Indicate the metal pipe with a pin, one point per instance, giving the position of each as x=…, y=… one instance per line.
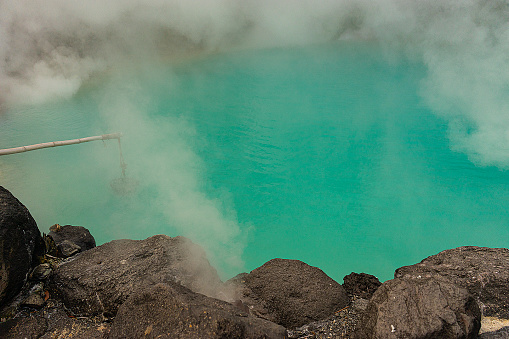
x=22, y=149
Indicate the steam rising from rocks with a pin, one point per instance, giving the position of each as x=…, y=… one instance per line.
x=49, y=49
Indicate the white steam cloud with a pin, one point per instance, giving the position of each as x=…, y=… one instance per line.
x=50, y=48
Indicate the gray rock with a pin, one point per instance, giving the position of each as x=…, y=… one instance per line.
x=71, y=239
x=21, y=245
x=68, y=249
x=101, y=279
x=289, y=292
x=41, y=272
x=420, y=308
x=483, y=271
x=173, y=311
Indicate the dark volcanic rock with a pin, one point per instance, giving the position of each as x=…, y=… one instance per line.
x=67, y=249
x=483, y=271
x=71, y=239
x=290, y=292
x=41, y=272
x=52, y=322
x=173, y=311
x=361, y=284
x=31, y=327
x=21, y=245
x=341, y=325
x=420, y=308
x=101, y=279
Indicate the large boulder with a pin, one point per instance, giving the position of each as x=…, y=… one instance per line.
x=420, y=308
x=173, y=311
x=483, y=271
x=21, y=245
x=71, y=239
x=101, y=279
x=289, y=292
x=361, y=285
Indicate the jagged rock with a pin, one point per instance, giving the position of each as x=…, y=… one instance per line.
x=101, y=279
x=71, y=239
x=173, y=311
x=361, y=284
x=21, y=245
x=483, y=271
x=420, y=308
x=289, y=292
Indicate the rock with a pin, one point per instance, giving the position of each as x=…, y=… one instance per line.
x=483, y=271
x=289, y=292
x=502, y=333
x=173, y=311
x=21, y=245
x=68, y=249
x=60, y=325
x=30, y=327
x=52, y=322
x=360, y=305
x=420, y=308
x=494, y=328
x=101, y=279
x=41, y=272
x=341, y=325
x=34, y=300
x=361, y=284
x=71, y=239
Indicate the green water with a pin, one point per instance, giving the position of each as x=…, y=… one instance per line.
x=327, y=154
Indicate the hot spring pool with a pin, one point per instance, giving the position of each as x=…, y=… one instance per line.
x=326, y=154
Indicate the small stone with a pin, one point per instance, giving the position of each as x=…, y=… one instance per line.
x=41, y=272
x=34, y=300
x=360, y=304
x=68, y=248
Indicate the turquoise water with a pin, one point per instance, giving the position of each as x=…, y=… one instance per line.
x=327, y=154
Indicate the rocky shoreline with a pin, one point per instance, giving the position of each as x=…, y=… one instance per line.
x=62, y=285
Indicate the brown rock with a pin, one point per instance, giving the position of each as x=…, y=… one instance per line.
x=420, y=308
x=101, y=279
x=289, y=292
x=173, y=311
x=483, y=271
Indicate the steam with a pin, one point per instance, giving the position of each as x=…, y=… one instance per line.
x=49, y=49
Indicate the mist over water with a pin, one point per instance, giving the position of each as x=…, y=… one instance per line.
x=390, y=128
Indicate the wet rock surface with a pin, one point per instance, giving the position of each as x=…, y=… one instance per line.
x=99, y=280
x=173, y=311
x=483, y=271
x=290, y=292
x=21, y=245
x=420, y=308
